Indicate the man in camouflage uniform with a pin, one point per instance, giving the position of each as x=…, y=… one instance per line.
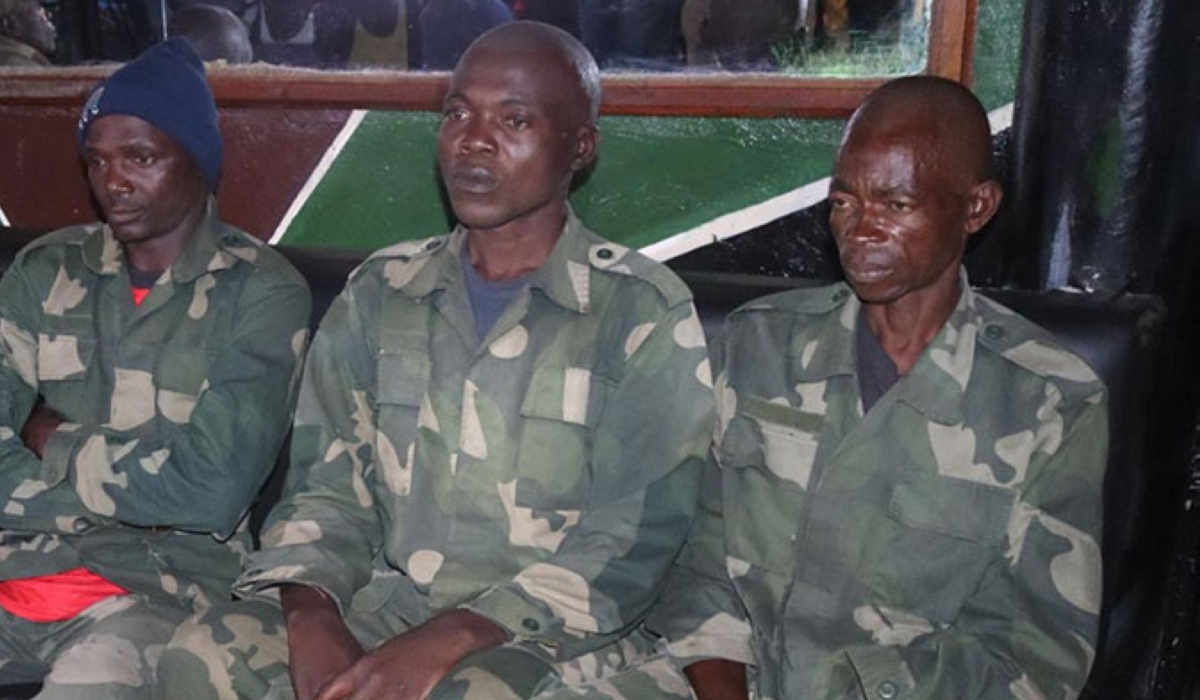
x=903, y=498
x=498, y=438
x=147, y=369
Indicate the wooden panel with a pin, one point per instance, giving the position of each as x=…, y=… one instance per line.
x=270, y=154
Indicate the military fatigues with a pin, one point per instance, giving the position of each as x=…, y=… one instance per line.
x=945, y=545
x=544, y=478
x=19, y=54
x=175, y=410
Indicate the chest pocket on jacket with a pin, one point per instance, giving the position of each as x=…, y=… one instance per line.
x=938, y=535
x=767, y=456
x=559, y=413
x=65, y=348
x=402, y=381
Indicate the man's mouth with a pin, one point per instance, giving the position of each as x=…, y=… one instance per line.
x=867, y=274
x=867, y=266
x=473, y=180
x=122, y=215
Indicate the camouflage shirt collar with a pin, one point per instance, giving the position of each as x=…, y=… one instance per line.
x=215, y=246
x=936, y=384
x=563, y=277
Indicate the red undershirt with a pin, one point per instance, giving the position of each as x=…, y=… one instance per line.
x=60, y=596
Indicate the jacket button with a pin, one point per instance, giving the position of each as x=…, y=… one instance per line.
x=604, y=254
x=994, y=332
x=887, y=690
x=531, y=624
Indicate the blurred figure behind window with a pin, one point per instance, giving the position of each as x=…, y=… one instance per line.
x=215, y=32
x=449, y=26
x=27, y=35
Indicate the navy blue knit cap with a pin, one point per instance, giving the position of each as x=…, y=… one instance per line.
x=166, y=87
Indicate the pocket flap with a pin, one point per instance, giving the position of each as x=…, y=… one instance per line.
x=953, y=507
x=403, y=378
x=568, y=394
x=63, y=356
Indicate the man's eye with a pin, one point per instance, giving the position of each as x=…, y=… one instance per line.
x=453, y=114
x=839, y=203
x=143, y=159
x=517, y=121
x=900, y=207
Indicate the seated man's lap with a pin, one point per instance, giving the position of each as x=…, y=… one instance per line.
x=109, y=650
x=239, y=650
x=632, y=668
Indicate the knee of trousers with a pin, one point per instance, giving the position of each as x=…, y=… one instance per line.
x=224, y=648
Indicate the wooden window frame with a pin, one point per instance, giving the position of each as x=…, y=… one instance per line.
x=951, y=38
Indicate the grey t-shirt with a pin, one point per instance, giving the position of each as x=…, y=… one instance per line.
x=488, y=299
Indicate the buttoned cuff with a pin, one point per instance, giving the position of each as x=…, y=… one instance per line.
x=523, y=618
x=882, y=673
x=261, y=580
x=59, y=452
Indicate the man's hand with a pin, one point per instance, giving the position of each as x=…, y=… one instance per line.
x=319, y=644
x=718, y=679
x=40, y=425
x=408, y=666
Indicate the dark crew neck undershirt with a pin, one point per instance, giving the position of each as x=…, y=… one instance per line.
x=488, y=299
x=876, y=371
x=141, y=281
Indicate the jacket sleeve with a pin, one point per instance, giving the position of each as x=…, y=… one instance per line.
x=30, y=501
x=202, y=474
x=1029, y=629
x=647, y=449
x=700, y=614
x=325, y=528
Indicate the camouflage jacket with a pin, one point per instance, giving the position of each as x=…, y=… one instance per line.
x=18, y=53
x=175, y=408
x=944, y=545
x=544, y=478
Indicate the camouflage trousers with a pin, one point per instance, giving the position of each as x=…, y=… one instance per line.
x=107, y=652
x=239, y=650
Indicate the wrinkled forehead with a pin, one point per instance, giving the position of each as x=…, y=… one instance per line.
x=536, y=65
x=539, y=76
x=915, y=147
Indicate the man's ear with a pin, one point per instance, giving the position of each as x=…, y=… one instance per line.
x=982, y=203
x=587, y=144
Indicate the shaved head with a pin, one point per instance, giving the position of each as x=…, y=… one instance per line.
x=550, y=44
x=943, y=114
x=912, y=180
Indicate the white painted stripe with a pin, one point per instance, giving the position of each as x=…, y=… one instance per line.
x=739, y=222
x=3, y=218
x=1001, y=118
x=318, y=173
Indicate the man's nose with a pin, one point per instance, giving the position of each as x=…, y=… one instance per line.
x=478, y=137
x=866, y=226
x=116, y=181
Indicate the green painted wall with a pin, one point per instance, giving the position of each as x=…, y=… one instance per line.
x=656, y=176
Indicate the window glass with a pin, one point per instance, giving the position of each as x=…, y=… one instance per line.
x=819, y=38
